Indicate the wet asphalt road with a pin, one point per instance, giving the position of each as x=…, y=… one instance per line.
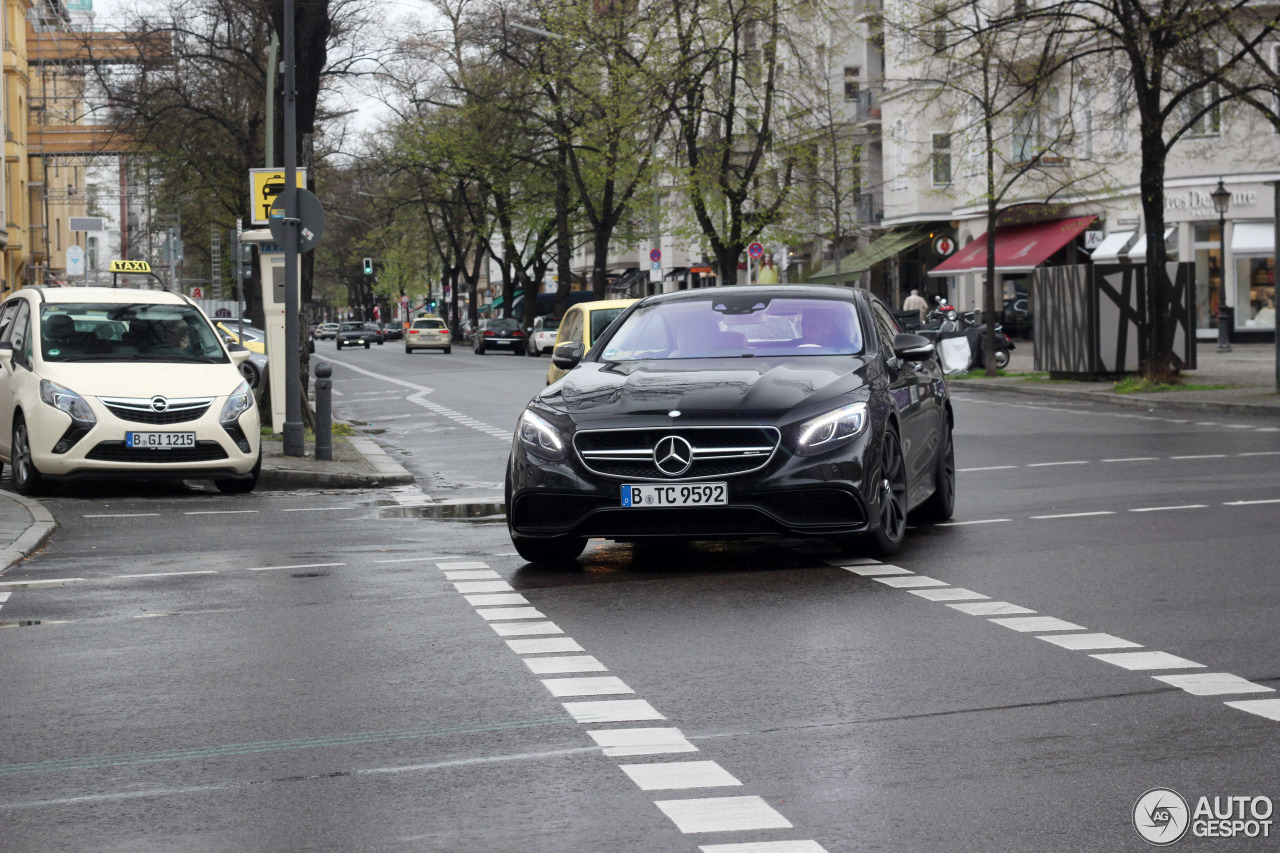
x=295, y=671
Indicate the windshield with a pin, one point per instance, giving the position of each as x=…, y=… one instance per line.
x=716, y=327
x=601, y=319
x=134, y=332
x=352, y=327
x=550, y=325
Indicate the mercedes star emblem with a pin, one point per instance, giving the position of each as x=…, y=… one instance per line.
x=673, y=455
x=159, y=404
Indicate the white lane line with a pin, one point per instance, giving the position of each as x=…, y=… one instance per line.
x=559, y=665
x=543, y=645
x=1148, y=660
x=464, y=564
x=679, y=775
x=496, y=598
x=483, y=586
x=1269, y=708
x=1261, y=453
x=990, y=608
x=473, y=575
x=299, y=566
x=1252, y=503
x=1073, y=515
x=167, y=574
x=408, y=560
x=602, y=685
x=494, y=614
x=612, y=711
x=507, y=554
x=965, y=523
x=620, y=742
x=911, y=582
x=38, y=582
x=877, y=571
x=1085, y=642
x=124, y=515
x=988, y=468
x=1165, y=508
x=951, y=593
x=1052, y=464
x=1202, y=456
x=1212, y=683
x=722, y=814
x=516, y=629
x=1135, y=459
x=318, y=509
x=221, y=512
x=846, y=562
x=1026, y=624
x=4, y=596
x=765, y=847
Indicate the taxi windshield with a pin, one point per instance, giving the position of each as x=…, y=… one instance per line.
x=127, y=332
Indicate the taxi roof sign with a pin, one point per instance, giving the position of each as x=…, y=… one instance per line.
x=130, y=266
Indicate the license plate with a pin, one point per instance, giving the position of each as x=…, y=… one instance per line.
x=160, y=440
x=685, y=494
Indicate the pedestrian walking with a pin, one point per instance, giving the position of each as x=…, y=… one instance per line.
x=916, y=302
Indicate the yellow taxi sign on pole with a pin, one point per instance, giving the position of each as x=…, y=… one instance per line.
x=264, y=186
x=130, y=266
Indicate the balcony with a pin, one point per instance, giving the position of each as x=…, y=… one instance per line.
x=867, y=108
x=870, y=210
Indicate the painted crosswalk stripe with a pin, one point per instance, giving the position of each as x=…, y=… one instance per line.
x=679, y=775
x=990, y=608
x=911, y=582
x=722, y=814
x=1212, y=683
x=516, y=629
x=560, y=664
x=603, y=685
x=765, y=847
x=613, y=711
x=472, y=575
x=1085, y=642
x=1148, y=660
x=541, y=645
x=951, y=593
x=483, y=586
x=620, y=742
x=463, y=564
x=497, y=613
x=1037, y=623
x=1269, y=708
x=496, y=598
x=876, y=571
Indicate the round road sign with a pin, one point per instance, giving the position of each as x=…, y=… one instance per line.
x=943, y=246
x=655, y=255
x=755, y=250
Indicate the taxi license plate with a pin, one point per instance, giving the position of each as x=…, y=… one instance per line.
x=685, y=494
x=160, y=440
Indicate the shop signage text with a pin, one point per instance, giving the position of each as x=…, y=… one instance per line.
x=1202, y=202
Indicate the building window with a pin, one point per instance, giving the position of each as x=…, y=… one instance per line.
x=851, y=74
x=855, y=172
x=941, y=159
x=1203, y=113
x=1026, y=134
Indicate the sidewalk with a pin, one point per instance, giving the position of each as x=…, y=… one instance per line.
x=358, y=463
x=1249, y=370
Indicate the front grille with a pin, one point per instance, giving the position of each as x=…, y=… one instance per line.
x=700, y=522
x=539, y=511
x=140, y=410
x=118, y=451
x=717, y=451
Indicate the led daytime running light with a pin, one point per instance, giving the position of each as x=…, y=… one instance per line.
x=539, y=436
x=827, y=430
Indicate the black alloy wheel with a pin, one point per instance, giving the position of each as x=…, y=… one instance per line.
x=891, y=527
x=26, y=477
x=942, y=503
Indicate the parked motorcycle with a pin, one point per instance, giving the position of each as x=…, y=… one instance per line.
x=960, y=338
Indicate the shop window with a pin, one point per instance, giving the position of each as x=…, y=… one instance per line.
x=1255, y=293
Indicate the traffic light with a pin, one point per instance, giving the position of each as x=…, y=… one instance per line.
x=368, y=266
x=433, y=305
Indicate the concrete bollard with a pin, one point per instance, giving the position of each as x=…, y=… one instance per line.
x=324, y=411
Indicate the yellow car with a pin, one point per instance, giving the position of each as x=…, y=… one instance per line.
x=585, y=322
x=255, y=340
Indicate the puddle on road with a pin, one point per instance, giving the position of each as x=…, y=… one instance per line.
x=491, y=513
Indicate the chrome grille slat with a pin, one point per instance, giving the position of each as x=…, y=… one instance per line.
x=726, y=451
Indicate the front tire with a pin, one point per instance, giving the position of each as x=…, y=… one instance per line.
x=448, y=350
x=557, y=551
x=26, y=477
x=891, y=526
x=241, y=487
x=1002, y=358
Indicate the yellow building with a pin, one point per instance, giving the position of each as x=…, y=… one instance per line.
x=18, y=236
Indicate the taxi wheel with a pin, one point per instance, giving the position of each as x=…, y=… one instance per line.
x=408, y=350
x=26, y=477
x=241, y=487
x=366, y=344
x=448, y=350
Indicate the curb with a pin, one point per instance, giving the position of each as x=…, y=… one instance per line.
x=1125, y=400
x=386, y=472
x=33, y=538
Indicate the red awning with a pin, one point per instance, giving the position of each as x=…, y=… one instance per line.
x=1019, y=248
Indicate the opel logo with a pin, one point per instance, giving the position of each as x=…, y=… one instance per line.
x=673, y=455
x=159, y=404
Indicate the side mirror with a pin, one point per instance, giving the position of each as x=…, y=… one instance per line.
x=6, y=355
x=568, y=355
x=909, y=347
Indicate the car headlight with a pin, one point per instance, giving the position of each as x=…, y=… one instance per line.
x=539, y=437
x=826, y=431
x=66, y=400
x=240, y=401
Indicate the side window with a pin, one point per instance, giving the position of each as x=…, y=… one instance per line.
x=571, y=328
x=20, y=335
x=886, y=326
x=7, y=312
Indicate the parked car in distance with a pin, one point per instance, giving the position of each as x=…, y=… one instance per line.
x=353, y=335
x=327, y=331
x=376, y=333
x=542, y=337
x=253, y=339
x=428, y=333
x=120, y=383
x=583, y=323
x=499, y=333
x=253, y=368
x=392, y=331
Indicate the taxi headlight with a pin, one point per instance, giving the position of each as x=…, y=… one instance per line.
x=539, y=437
x=240, y=401
x=827, y=431
x=66, y=400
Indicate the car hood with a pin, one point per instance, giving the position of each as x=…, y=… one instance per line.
x=144, y=379
x=706, y=387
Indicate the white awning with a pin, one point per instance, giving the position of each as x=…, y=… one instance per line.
x=1139, y=251
x=1253, y=238
x=1114, y=246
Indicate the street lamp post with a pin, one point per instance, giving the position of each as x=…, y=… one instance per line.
x=1221, y=201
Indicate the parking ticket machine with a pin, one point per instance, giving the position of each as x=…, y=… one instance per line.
x=271, y=267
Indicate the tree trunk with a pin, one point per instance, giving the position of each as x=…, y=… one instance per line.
x=1158, y=363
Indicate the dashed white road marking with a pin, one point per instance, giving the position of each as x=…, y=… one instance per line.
x=1072, y=515
x=603, y=685
x=483, y=586
x=1148, y=660
x=165, y=574
x=1201, y=456
x=613, y=711
x=1052, y=464
x=966, y=523
x=472, y=575
x=950, y=593
x=877, y=571
x=909, y=582
x=318, y=509
x=221, y=512
x=1165, y=508
x=1212, y=683
x=562, y=664
x=1261, y=453
x=987, y=468
x=765, y=847
x=33, y=583
x=1085, y=642
x=1027, y=624
x=492, y=599
x=1135, y=459
x=622, y=742
x=722, y=814
x=496, y=613
x=298, y=566
x=678, y=775
x=990, y=608
x=1251, y=503
x=123, y=515
x=1269, y=708
x=543, y=645
x=515, y=629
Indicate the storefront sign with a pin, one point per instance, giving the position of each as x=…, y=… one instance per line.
x=1200, y=201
